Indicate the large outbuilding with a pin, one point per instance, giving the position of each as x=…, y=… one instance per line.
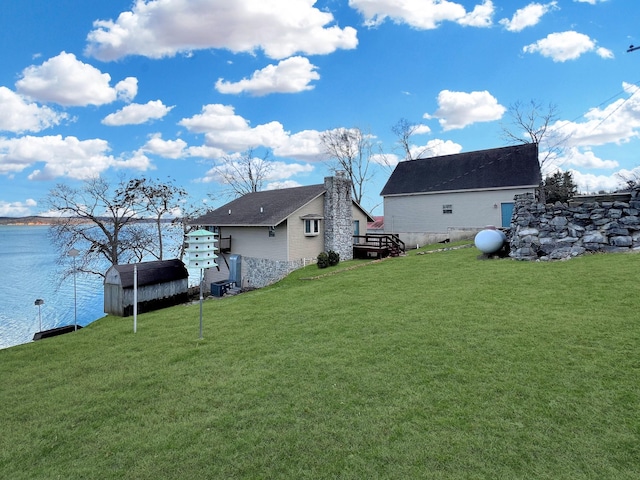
x=439, y=198
x=160, y=284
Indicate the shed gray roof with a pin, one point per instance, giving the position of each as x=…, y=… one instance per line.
x=149, y=273
x=268, y=208
x=515, y=166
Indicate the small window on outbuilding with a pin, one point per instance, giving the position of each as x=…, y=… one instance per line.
x=311, y=227
x=447, y=208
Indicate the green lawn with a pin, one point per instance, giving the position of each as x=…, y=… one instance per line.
x=426, y=366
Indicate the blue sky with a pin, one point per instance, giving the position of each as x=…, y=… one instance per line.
x=168, y=88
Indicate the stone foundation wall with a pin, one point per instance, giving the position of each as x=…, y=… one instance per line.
x=560, y=231
x=260, y=272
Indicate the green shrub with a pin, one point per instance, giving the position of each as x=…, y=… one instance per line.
x=323, y=260
x=334, y=258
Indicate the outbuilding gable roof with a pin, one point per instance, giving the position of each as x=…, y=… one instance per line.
x=149, y=273
x=514, y=166
x=268, y=208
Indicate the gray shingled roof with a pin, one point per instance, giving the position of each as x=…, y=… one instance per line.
x=267, y=208
x=515, y=166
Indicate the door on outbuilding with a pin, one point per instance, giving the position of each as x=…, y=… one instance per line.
x=507, y=212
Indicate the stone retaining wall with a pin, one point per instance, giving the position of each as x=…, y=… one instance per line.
x=260, y=272
x=560, y=231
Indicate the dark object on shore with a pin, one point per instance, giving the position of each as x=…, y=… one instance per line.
x=54, y=332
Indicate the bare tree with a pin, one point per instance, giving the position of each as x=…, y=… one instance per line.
x=533, y=123
x=189, y=212
x=245, y=173
x=156, y=198
x=404, y=130
x=94, y=220
x=629, y=180
x=350, y=150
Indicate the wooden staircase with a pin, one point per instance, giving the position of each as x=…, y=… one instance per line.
x=378, y=245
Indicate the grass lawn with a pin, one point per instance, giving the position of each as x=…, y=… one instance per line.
x=436, y=366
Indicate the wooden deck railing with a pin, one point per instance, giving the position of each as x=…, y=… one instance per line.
x=382, y=244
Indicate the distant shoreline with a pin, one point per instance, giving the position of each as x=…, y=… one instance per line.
x=35, y=221
x=27, y=221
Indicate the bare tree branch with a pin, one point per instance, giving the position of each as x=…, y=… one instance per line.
x=245, y=173
x=158, y=199
x=103, y=222
x=350, y=150
x=533, y=123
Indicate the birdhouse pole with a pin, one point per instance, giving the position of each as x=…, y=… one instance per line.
x=201, y=251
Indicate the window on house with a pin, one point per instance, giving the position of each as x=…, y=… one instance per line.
x=447, y=208
x=272, y=231
x=311, y=227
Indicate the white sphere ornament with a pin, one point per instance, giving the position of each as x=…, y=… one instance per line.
x=489, y=240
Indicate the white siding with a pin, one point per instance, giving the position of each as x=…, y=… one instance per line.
x=301, y=245
x=256, y=242
x=424, y=213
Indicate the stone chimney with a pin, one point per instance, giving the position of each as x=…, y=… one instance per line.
x=338, y=216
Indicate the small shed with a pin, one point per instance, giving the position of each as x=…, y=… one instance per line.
x=161, y=284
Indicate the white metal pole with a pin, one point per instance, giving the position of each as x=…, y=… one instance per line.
x=135, y=298
x=75, y=298
x=201, y=280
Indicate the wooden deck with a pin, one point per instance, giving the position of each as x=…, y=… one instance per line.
x=378, y=245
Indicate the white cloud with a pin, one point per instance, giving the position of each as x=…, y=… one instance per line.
x=421, y=129
x=480, y=16
x=292, y=75
x=618, y=122
x=527, y=16
x=304, y=145
x=18, y=115
x=215, y=117
x=423, y=14
x=68, y=157
x=67, y=81
x=280, y=185
x=460, y=109
x=138, y=161
x=127, y=89
x=17, y=209
x=277, y=171
x=162, y=28
x=590, y=183
x=435, y=148
x=385, y=159
x=604, y=53
x=165, y=148
x=282, y=171
x=225, y=130
x=564, y=46
x=586, y=159
x=203, y=151
x=136, y=114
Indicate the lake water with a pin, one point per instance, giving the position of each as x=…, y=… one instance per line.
x=28, y=271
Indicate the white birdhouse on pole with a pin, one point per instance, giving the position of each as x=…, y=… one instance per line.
x=201, y=250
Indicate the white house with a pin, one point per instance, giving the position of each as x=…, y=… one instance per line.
x=433, y=199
